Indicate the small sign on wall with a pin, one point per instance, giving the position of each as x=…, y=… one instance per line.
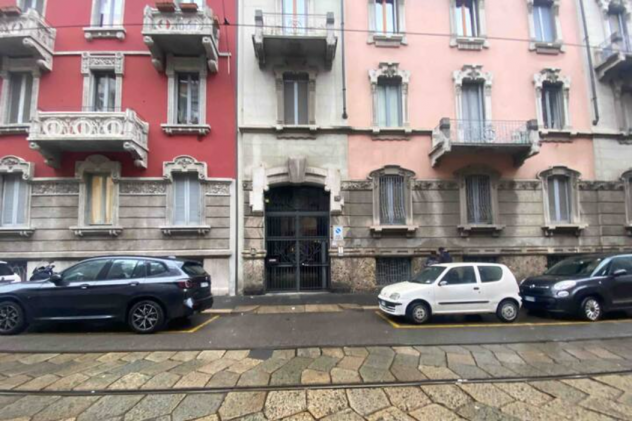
x=339, y=236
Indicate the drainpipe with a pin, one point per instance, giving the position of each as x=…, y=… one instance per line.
x=344, y=67
x=593, y=84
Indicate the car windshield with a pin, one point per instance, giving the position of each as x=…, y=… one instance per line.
x=575, y=267
x=428, y=275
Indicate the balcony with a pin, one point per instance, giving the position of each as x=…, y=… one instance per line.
x=191, y=33
x=53, y=133
x=614, y=58
x=294, y=36
x=519, y=139
x=26, y=35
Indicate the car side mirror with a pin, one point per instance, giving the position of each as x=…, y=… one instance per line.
x=443, y=283
x=55, y=278
x=620, y=272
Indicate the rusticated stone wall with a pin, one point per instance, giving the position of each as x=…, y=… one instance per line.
x=524, y=266
x=354, y=274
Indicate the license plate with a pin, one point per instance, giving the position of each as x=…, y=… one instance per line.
x=204, y=284
x=530, y=299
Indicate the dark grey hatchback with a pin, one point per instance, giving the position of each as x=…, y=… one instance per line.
x=587, y=286
x=144, y=292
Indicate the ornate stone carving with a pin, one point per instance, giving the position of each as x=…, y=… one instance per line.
x=102, y=61
x=45, y=188
x=143, y=187
x=37, y=37
x=357, y=185
x=12, y=164
x=218, y=189
x=520, y=185
x=98, y=164
x=435, y=185
x=601, y=185
x=184, y=164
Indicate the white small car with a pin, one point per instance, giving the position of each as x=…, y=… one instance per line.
x=454, y=288
x=7, y=274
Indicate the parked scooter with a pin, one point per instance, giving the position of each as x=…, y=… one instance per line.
x=43, y=272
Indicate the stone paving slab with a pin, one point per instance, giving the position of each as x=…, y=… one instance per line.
x=591, y=399
x=309, y=366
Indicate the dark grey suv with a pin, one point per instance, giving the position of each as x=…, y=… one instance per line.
x=588, y=286
x=143, y=292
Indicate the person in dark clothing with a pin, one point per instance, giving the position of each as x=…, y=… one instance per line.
x=444, y=256
x=433, y=259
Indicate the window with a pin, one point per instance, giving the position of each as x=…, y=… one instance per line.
x=392, y=200
x=467, y=18
x=295, y=16
x=478, y=191
x=100, y=199
x=490, y=273
x=37, y=5
x=200, y=3
x=187, y=207
x=553, y=107
x=194, y=269
x=386, y=16
x=14, y=199
x=460, y=276
x=544, y=21
x=20, y=92
x=621, y=263
x=126, y=269
x=156, y=270
x=85, y=272
x=618, y=24
x=104, y=92
x=473, y=113
x=391, y=270
x=188, y=98
x=109, y=12
x=389, y=102
x=559, y=199
x=295, y=90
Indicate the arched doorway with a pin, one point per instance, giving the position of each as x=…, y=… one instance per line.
x=297, y=239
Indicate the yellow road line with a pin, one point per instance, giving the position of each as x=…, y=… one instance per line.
x=196, y=328
x=474, y=325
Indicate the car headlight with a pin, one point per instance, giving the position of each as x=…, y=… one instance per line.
x=564, y=285
x=394, y=296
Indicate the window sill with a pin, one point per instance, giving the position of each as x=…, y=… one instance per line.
x=391, y=133
x=97, y=32
x=388, y=41
x=11, y=129
x=186, y=129
x=470, y=43
x=24, y=232
x=575, y=229
x=200, y=230
x=550, y=48
x=408, y=230
x=97, y=231
x=494, y=230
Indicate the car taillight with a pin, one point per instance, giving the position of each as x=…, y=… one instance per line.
x=185, y=284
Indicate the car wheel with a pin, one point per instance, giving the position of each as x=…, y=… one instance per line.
x=12, y=320
x=146, y=317
x=418, y=313
x=591, y=309
x=508, y=311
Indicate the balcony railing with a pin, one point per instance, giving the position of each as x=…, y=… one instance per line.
x=281, y=33
x=181, y=33
x=27, y=34
x=519, y=138
x=54, y=132
x=613, y=55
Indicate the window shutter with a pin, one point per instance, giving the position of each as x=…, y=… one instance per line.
x=479, y=199
x=303, y=96
x=288, y=102
x=180, y=199
x=381, y=105
x=394, y=105
x=8, y=200
x=195, y=200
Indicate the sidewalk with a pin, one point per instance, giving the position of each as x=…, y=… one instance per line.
x=294, y=303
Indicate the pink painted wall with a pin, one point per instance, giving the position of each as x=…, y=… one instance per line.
x=432, y=61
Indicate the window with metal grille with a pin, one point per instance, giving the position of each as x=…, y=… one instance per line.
x=104, y=91
x=544, y=20
x=296, y=98
x=392, y=200
x=467, y=18
x=478, y=192
x=390, y=270
x=187, y=197
x=553, y=106
x=389, y=102
x=188, y=92
x=386, y=16
x=13, y=200
x=560, y=204
x=20, y=92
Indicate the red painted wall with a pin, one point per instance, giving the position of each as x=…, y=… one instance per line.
x=144, y=91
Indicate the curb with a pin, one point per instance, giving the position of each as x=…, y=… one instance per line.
x=288, y=309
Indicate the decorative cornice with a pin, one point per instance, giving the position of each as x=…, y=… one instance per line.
x=472, y=72
x=102, y=61
x=389, y=70
x=436, y=185
x=357, y=185
x=218, y=189
x=96, y=164
x=143, y=187
x=57, y=187
x=520, y=185
x=12, y=164
x=551, y=75
x=601, y=185
x=184, y=164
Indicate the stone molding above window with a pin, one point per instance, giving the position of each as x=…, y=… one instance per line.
x=184, y=164
x=554, y=47
x=94, y=31
x=575, y=226
x=97, y=61
x=389, y=70
x=626, y=177
x=14, y=165
x=388, y=40
x=466, y=228
x=468, y=43
x=553, y=76
x=378, y=228
x=473, y=73
x=16, y=65
x=312, y=74
x=97, y=164
x=176, y=65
